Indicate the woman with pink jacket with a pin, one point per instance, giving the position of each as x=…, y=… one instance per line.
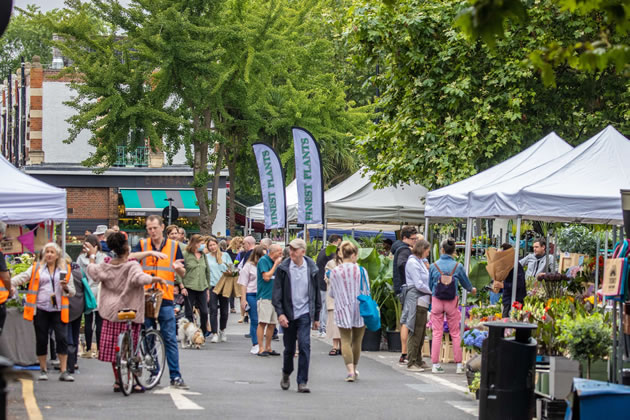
x=122, y=287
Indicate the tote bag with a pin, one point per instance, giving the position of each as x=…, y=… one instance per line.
x=90, y=300
x=368, y=307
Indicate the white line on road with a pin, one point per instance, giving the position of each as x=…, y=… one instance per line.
x=469, y=407
x=179, y=398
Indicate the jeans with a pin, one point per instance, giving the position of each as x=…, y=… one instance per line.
x=168, y=329
x=90, y=319
x=323, y=316
x=200, y=301
x=253, y=317
x=300, y=330
x=73, y=343
x=415, y=341
x=217, y=302
x=439, y=308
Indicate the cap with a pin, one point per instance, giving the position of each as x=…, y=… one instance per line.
x=298, y=243
x=100, y=230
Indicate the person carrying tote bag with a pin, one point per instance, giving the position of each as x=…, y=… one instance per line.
x=348, y=282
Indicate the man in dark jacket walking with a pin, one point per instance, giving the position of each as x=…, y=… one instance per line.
x=322, y=260
x=402, y=251
x=297, y=301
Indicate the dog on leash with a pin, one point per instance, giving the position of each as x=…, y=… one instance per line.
x=189, y=334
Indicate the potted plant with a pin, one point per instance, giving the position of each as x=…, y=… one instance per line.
x=587, y=337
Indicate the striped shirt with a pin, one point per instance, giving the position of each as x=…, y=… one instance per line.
x=345, y=285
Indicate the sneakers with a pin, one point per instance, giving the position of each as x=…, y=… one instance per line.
x=66, y=377
x=349, y=378
x=222, y=336
x=424, y=365
x=437, y=369
x=43, y=375
x=460, y=369
x=284, y=382
x=303, y=389
x=215, y=338
x=403, y=359
x=275, y=337
x=254, y=349
x=179, y=383
x=87, y=355
x=415, y=368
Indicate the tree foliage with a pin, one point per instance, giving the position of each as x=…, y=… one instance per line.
x=603, y=45
x=449, y=108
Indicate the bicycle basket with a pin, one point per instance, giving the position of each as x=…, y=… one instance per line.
x=152, y=302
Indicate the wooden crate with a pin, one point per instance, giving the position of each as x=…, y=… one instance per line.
x=569, y=260
x=446, y=353
x=426, y=348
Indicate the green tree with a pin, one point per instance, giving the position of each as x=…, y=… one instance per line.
x=601, y=46
x=449, y=108
x=24, y=38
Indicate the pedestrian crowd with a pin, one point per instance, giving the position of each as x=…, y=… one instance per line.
x=281, y=290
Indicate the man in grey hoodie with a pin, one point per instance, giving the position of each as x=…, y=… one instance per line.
x=297, y=301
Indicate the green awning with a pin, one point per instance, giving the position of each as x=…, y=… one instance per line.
x=144, y=202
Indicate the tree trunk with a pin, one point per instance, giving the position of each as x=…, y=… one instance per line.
x=232, y=176
x=200, y=175
x=218, y=163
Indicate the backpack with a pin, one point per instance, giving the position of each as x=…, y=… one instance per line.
x=445, y=287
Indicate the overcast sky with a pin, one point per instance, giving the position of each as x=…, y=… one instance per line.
x=46, y=5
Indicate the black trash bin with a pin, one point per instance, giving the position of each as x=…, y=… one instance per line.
x=507, y=373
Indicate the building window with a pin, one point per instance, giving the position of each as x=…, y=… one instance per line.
x=138, y=157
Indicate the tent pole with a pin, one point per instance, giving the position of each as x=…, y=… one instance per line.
x=305, y=232
x=519, y=220
x=467, y=255
x=596, y=270
x=546, y=253
x=63, y=238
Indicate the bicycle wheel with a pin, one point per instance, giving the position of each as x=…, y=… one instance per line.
x=123, y=363
x=152, y=355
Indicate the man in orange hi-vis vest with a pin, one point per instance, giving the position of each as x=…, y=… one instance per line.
x=162, y=257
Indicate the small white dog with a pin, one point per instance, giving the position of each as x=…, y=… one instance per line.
x=189, y=334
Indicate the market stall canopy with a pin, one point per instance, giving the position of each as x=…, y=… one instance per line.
x=587, y=188
x=357, y=200
x=582, y=185
x=452, y=201
x=26, y=200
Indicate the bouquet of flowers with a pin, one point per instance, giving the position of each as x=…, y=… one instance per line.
x=232, y=269
x=473, y=339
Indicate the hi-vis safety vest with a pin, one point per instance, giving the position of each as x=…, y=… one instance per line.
x=4, y=293
x=162, y=268
x=31, y=296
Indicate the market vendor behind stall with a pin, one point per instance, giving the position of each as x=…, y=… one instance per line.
x=535, y=262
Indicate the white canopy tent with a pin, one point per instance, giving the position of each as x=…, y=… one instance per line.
x=586, y=189
x=452, y=201
x=357, y=200
x=26, y=200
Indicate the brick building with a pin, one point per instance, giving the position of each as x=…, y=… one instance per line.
x=32, y=130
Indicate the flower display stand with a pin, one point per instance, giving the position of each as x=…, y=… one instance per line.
x=446, y=353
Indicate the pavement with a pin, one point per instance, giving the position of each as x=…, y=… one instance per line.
x=227, y=382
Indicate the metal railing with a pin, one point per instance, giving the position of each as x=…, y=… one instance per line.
x=138, y=157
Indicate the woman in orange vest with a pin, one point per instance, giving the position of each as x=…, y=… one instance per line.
x=47, y=305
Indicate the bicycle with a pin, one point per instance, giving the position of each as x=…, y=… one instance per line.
x=145, y=363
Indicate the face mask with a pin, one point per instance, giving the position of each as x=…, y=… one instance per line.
x=202, y=247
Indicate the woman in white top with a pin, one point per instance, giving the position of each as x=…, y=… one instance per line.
x=345, y=287
x=248, y=280
x=93, y=317
x=417, y=303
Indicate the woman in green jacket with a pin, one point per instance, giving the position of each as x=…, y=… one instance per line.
x=195, y=284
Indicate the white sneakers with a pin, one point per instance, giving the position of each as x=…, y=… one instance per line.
x=460, y=369
x=437, y=369
x=254, y=349
x=215, y=338
x=223, y=336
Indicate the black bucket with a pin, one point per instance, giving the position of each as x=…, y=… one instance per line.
x=371, y=340
x=393, y=341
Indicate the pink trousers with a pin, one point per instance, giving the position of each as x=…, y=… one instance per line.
x=439, y=308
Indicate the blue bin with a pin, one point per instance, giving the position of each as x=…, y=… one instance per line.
x=593, y=399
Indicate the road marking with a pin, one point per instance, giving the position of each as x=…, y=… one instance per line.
x=444, y=382
x=469, y=407
x=179, y=398
x=426, y=388
x=29, y=400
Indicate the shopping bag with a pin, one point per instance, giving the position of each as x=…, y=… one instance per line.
x=367, y=306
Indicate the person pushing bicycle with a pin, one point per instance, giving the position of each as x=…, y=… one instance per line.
x=122, y=288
